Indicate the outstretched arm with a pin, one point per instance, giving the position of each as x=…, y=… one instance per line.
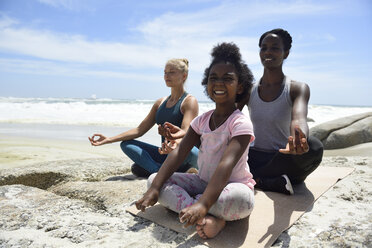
x=297, y=142
x=219, y=180
x=143, y=127
x=300, y=94
x=170, y=165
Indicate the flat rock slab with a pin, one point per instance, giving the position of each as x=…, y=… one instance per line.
x=38, y=218
x=109, y=196
x=81, y=203
x=46, y=174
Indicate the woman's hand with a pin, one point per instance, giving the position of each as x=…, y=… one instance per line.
x=149, y=199
x=170, y=131
x=297, y=145
x=100, y=141
x=167, y=146
x=161, y=130
x=192, y=214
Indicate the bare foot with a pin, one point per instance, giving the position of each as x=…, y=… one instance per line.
x=209, y=227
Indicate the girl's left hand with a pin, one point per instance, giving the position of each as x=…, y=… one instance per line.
x=167, y=146
x=192, y=214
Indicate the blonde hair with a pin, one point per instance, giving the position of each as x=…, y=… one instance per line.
x=180, y=64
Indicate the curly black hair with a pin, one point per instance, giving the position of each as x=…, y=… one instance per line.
x=230, y=53
x=283, y=34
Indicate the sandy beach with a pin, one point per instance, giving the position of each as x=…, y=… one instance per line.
x=342, y=217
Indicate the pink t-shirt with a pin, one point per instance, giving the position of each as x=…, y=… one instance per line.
x=214, y=143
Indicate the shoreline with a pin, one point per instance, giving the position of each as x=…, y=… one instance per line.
x=18, y=150
x=26, y=144
x=69, y=132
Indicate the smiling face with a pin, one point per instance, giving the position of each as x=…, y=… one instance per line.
x=272, y=51
x=174, y=77
x=223, y=83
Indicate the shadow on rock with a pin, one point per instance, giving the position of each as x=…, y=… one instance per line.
x=130, y=177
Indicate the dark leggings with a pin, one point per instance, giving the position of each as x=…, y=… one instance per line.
x=148, y=157
x=296, y=167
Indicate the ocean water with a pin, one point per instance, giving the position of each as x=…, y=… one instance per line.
x=68, y=111
x=58, y=117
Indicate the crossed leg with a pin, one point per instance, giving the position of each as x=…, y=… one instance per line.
x=182, y=190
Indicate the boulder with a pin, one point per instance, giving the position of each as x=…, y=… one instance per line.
x=344, y=132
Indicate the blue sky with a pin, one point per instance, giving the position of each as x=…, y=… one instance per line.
x=118, y=48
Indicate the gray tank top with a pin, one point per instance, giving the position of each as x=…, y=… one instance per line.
x=271, y=120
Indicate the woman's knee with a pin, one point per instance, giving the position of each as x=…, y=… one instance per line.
x=124, y=145
x=315, y=147
x=131, y=148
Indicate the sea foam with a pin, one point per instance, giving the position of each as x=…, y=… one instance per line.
x=126, y=113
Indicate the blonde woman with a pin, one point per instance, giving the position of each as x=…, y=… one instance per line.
x=179, y=109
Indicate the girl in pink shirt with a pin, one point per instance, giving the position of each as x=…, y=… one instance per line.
x=223, y=188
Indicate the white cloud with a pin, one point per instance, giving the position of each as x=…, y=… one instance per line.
x=37, y=67
x=6, y=21
x=73, y=48
x=190, y=35
x=77, y=49
x=72, y=5
x=330, y=37
x=227, y=17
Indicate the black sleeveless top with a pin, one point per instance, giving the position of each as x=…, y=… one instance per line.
x=172, y=114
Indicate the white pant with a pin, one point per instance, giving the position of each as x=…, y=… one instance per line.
x=235, y=202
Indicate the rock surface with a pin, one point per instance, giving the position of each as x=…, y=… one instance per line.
x=83, y=205
x=344, y=132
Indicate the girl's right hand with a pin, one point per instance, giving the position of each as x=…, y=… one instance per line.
x=192, y=214
x=149, y=199
x=100, y=141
